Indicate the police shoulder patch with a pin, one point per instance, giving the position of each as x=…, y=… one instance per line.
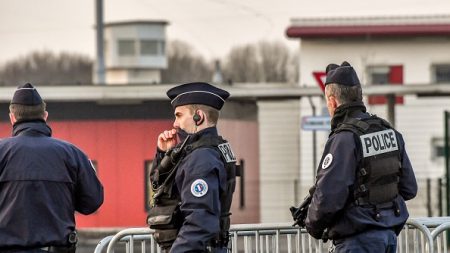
x=199, y=188
x=227, y=153
x=327, y=161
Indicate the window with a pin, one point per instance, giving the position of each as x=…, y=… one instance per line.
x=152, y=47
x=379, y=75
x=441, y=73
x=438, y=149
x=149, y=47
x=385, y=75
x=126, y=48
x=147, y=185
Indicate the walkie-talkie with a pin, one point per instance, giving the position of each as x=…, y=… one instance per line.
x=167, y=167
x=171, y=157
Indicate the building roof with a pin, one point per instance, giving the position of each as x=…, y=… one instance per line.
x=252, y=91
x=136, y=22
x=376, y=26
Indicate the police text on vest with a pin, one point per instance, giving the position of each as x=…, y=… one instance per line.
x=379, y=142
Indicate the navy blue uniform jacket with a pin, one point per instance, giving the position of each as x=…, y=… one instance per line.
x=43, y=181
x=200, y=208
x=331, y=206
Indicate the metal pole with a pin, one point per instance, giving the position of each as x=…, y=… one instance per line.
x=440, y=197
x=391, y=108
x=447, y=165
x=242, y=185
x=314, y=149
x=429, y=211
x=100, y=68
x=447, y=159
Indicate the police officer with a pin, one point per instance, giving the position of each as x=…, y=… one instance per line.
x=192, y=198
x=364, y=177
x=43, y=181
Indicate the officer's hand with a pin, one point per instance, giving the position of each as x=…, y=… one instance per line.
x=167, y=139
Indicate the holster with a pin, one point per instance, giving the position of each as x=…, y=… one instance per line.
x=165, y=219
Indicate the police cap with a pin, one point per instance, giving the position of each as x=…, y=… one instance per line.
x=343, y=75
x=197, y=93
x=26, y=95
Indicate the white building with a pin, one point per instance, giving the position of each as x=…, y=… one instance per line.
x=135, y=51
x=409, y=50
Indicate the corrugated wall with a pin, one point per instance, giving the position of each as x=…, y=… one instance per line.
x=279, y=123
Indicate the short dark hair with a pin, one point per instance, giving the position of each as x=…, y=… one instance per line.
x=345, y=94
x=28, y=112
x=211, y=113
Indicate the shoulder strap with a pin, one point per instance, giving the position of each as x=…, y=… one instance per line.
x=217, y=143
x=205, y=142
x=357, y=126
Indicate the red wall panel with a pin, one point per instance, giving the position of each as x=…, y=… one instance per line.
x=244, y=140
x=120, y=149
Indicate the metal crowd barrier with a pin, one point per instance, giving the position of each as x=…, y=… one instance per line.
x=419, y=235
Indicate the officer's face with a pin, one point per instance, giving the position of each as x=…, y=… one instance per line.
x=184, y=119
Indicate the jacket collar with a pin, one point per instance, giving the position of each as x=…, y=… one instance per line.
x=210, y=131
x=349, y=110
x=32, y=127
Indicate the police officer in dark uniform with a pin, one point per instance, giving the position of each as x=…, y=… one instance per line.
x=193, y=191
x=364, y=177
x=43, y=181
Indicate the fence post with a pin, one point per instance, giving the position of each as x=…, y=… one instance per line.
x=447, y=165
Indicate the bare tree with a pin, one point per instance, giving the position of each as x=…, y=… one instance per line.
x=261, y=62
x=293, y=68
x=47, y=68
x=274, y=61
x=184, y=65
x=243, y=64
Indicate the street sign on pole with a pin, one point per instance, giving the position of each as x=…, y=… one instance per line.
x=321, y=123
x=320, y=78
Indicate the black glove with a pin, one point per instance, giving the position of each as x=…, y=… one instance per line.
x=315, y=233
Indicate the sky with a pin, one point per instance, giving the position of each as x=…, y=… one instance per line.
x=211, y=27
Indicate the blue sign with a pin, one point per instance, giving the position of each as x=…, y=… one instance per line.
x=321, y=123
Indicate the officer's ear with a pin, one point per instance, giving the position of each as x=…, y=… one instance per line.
x=12, y=118
x=199, y=117
x=333, y=101
x=45, y=115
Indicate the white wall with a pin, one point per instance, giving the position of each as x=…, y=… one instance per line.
x=125, y=76
x=279, y=158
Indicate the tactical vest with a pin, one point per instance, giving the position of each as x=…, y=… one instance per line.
x=165, y=216
x=378, y=174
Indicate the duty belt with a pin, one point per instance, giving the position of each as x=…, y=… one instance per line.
x=53, y=249
x=59, y=249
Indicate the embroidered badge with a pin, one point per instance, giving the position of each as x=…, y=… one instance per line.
x=327, y=161
x=199, y=188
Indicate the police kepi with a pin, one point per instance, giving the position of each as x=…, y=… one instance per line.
x=26, y=95
x=197, y=93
